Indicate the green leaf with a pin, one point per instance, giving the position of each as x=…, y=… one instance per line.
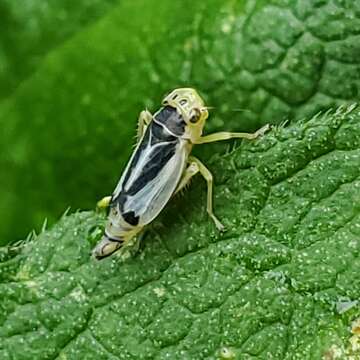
x=30, y=30
x=281, y=283
x=67, y=129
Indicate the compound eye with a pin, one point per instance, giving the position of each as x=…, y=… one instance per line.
x=195, y=116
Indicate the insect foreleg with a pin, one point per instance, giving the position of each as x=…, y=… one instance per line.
x=144, y=120
x=235, y=135
x=103, y=203
x=195, y=166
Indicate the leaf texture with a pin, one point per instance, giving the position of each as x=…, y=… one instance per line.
x=82, y=71
x=281, y=283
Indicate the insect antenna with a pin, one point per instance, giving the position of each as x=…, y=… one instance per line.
x=208, y=108
x=241, y=110
x=232, y=110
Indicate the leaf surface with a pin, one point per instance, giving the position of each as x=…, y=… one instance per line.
x=68, y=126
x=281, y=283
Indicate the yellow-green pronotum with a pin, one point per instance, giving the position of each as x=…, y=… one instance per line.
x=160, y=166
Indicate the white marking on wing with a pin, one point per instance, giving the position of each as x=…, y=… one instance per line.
x=144, y=159
x=151, y=199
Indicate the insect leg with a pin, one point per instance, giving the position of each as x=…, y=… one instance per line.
x=144, y=120
x=195, y=165
x=189, y=172
x=229, y=135
x=103, y=203
x=133, y=244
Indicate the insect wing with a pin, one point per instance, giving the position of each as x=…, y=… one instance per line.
x=133, y=162
x=151, y=176
x=151, y=198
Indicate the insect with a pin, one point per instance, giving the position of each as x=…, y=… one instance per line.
x=160, y=166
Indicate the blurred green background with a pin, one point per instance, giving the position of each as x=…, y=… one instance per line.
x=74, y=76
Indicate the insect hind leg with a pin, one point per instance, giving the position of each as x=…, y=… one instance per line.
x=189, y=172
x=195, y=166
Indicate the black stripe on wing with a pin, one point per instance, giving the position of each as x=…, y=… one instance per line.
x=163, y=148
x=154, y=134
x=139, y=151
x=171, y=119
x=159, y=157
x=160, y=134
